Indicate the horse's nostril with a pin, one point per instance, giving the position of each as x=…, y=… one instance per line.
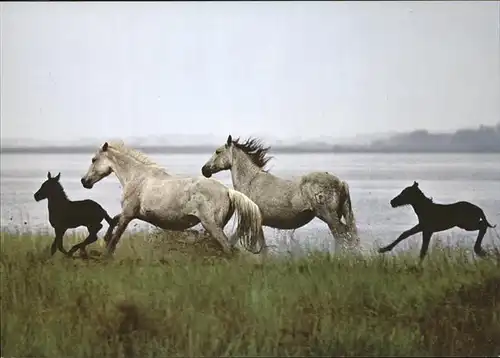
x=205, y=171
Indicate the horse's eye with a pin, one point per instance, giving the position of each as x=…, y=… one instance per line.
x=217, y=151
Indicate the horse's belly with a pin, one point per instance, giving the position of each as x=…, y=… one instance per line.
x=288, y=222
x=171, y=223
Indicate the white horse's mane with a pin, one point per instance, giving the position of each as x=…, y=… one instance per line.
x=120, y=146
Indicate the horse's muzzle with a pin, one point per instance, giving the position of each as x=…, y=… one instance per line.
x=37, y=197
x=86, y=184
x=395, y=204
x=206, y=172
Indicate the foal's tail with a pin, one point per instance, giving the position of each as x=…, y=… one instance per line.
x=347, y=210
x=483, y=216
x=249, y=228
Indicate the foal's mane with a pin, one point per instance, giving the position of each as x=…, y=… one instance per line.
x=429, y=199
x=255, y=150
x=62, y=191
x=120, y=146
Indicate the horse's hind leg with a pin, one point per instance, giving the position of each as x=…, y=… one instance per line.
x=329, y=213
x=93, y=230
x=337, y=228
x=477, y=246
x=109, y=232
x=58, y=242
x=217, y=233
x=482, y=226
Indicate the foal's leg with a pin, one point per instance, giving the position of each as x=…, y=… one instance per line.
x=123, y=221
x=482, y=227
x=426, y=239
x=58, y=242
x=406, y=234
x=109, y=232
x=93, y=230
x=477, y=246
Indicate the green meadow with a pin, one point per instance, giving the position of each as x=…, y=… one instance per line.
x=160, y=296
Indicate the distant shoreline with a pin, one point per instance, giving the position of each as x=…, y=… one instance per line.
x=275, y=149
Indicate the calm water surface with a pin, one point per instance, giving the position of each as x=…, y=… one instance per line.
x=374, y=179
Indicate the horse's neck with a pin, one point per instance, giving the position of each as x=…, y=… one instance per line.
x=422, y=206
x=243, y=171
x=57, y=201
x=126, y=168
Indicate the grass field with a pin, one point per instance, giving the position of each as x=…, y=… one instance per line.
x=166, y=298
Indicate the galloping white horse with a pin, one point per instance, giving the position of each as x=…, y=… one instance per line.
x=286, y=204
x=172, y=203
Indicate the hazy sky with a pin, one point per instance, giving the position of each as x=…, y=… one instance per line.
x=76, y=69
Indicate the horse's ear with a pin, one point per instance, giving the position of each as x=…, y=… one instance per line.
x=415, y=184
x=58, y=176
x=229, y=140
x=105, y=147
x=49, y=176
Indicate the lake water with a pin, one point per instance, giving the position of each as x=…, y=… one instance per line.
x=374, y=179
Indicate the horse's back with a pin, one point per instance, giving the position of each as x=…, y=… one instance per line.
x=460, y=206
x=321, y=184
x=179, y=193
x=87, y=203
x=458, y=213
x=210, y=186
x=177, y=183
x=88, y=208
x=320, y=177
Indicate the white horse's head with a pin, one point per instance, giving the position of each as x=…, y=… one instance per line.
x=230, y=154
x=100, y=167
x=222, y=159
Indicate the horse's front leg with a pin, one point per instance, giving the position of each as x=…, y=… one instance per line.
x=403, y=236
x=123, y=221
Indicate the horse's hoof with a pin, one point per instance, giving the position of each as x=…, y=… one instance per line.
x=382, y=250
x=108, y=256
x=481, y=253
x=415, y=268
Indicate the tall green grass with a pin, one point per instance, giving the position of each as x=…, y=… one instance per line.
x=159, y=298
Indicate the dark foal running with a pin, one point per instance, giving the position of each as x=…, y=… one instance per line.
x=439, y=217
x=65, y=214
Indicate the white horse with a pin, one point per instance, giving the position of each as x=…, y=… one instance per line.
x=286, y=204
x=172, y=203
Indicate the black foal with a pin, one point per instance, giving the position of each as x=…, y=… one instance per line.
x=439, y=217
x=65, y=214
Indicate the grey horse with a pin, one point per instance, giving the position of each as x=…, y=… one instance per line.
x=172, y=203
x=286, y=204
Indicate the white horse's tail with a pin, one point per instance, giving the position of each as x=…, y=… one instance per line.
x=249, y=227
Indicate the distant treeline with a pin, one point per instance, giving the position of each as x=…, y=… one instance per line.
x=481, y=140
x=485, y=139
